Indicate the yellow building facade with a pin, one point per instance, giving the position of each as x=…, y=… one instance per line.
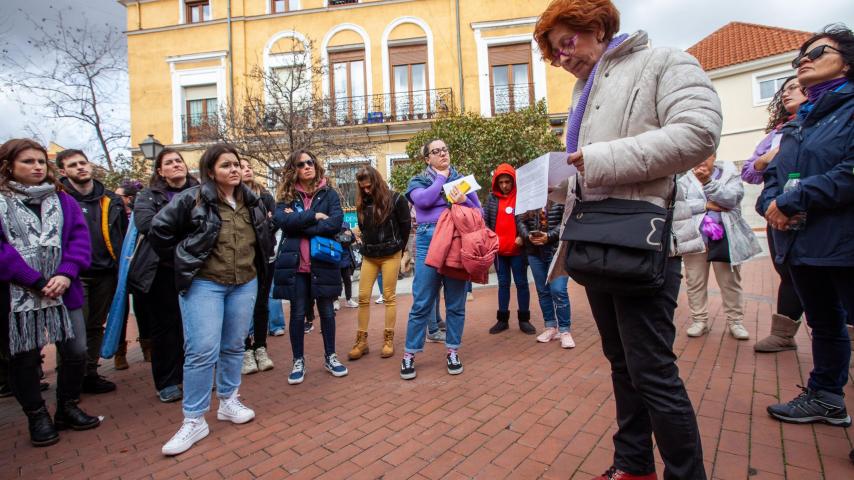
x=390, y=66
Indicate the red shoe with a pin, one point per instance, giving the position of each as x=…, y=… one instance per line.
x=614, y=474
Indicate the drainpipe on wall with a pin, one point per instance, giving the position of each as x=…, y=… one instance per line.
x=460, y=61
x=230, y=66
x=138, y=16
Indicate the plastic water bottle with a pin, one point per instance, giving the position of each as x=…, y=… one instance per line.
x=792, y=184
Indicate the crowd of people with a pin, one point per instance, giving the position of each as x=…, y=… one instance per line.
x=217, y=254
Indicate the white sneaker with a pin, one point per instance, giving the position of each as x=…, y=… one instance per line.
x=263, y=360
x=548, y=335
x=566, y=340
x=191, y=431
x=379, y=300
x=738, y=331
x=469, y=297
x=697, y=329
x=232, y=410
x=350, y=303
x=336, y=305
x=249, y=364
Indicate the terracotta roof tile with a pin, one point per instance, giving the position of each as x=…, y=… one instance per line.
x=738, y=42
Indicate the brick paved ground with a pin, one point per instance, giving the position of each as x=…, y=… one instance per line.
x=520, y=410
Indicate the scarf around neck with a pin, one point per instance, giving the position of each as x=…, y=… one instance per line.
x=817, y=92
x=34, y=320
x=576, y=114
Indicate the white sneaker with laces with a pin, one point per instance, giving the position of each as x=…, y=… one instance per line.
x=249, y=364
x=697, y=329
x=351, y=304
x=379, y=300
x=191, y=431
x=232, y=410
x=566, y=340
x=263, y=360
x=548, y=335
x=738, y=331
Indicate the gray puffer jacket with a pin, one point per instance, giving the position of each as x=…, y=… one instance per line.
x=727, y=191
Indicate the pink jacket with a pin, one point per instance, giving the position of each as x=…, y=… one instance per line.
x=462, y=246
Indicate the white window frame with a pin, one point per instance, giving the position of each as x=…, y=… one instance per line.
x=329, y=163
x=537, y=65
x=768, y=74
x=431, y=63
x=389, y=161
x=324, y=56
x=191, y=78
x=182, y=11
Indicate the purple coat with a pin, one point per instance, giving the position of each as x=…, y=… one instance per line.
x=76, y=255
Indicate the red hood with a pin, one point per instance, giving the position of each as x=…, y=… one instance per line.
x=503, y=169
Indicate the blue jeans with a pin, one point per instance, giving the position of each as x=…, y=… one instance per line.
x=516, y=265
x=425, y=291
x=554, y=299
x=302, y=300
x=216, y=321
x=276, y=320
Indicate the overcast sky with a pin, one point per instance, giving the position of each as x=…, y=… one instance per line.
x=679, y=23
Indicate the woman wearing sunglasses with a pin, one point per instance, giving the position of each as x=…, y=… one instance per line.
x=426, y=193
x=307, y=207
x=640, y=115
x=813, y=223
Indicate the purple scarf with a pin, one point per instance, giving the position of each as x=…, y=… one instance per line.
x=815, y=92
x=576, y=114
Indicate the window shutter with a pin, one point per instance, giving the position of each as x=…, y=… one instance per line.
x=408, y=54
x=510, y=54
x=347, y=56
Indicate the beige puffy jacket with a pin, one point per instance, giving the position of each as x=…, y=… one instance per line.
x=652, y=113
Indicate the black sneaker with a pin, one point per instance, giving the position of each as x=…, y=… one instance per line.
x=455, y=366
x=97, y=384
x=309, y=326
x=813, y=407
x=407, y=368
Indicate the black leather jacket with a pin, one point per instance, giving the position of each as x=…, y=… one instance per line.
x=529, y=222
x=188, y=228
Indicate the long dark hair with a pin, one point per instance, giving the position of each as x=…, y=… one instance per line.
x=844, y=38
x=208, y=162
x=10, y=150
x=776, y=109
x=380, y=196
x=290, y=176
x=156, y=179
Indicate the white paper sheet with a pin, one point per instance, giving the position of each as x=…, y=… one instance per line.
x=472, y=182
x=535, y=177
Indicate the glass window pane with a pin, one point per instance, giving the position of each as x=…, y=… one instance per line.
x=499, y=75
x=500, y=90
x=293, y=5
x=419, y=88
x=339, y=72
x=521, y=88
x=211, y=107
x=194, y=14
x=401, y=90
x=207, y=8
x=357, y=88
x=194, y=112
x=766, y=89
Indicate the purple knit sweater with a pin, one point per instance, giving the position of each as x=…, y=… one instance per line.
x=429, y=202
x=76, y=255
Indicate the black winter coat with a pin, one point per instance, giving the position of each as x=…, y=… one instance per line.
x=146, y=261
x=188, y=228
x=377, y=240
x=530, y=221
x=300, y=224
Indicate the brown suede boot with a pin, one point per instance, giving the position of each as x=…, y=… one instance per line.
x=388, y=344
x=120, y=360
x=361, y=346
x=782, y=337
x=145, y=344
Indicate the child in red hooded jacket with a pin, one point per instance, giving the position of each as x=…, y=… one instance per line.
x=500, y=217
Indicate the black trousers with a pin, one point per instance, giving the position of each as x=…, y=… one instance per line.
x=25, y=368
x=637, y=338
x=98, y=291
x=141, y=322
x=261, y=314
x=160, y=309
x=788, y=303
x=347, y=280
x=301, y=301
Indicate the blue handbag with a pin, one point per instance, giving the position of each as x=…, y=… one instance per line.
x=326, y=250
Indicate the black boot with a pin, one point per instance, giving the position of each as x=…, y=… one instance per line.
x=502, y=323
x=97, y=384
x=69, y=415
x=525, y=323
x=42, y=430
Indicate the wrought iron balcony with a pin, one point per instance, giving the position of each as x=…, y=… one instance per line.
x=199, y=127
x=391, y=107
x=510, y=98
x=335, y=3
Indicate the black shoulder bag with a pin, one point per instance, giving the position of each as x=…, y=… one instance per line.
x=618, y=246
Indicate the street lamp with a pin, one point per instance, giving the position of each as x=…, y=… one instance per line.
x=150, y=147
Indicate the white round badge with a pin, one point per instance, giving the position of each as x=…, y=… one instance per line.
x=509, y=210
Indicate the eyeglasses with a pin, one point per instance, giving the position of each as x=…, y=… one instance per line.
x=566, y=49
x=307, y=163
x=439, y=151
x=812, y=55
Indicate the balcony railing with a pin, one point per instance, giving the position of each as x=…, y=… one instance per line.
x=335, y=3
x=199, y=127
x=510, y=98
x=391, y=107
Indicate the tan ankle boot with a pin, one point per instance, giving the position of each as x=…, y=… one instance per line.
x=388, y=344
x=361, y=346
x=120, y=360
x=145, y=345
x=783, y=330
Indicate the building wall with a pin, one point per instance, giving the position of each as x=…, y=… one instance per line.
x=161, y=51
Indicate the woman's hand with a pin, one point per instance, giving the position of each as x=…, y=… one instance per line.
x=289, y=210
x=456, y=196
x=762, y=162
x=576, y=159
x=445, y=173
x=519, y=241
x=779, y=220
x=703, y=174
x=537, y=238
x=320, y=216
x=56, y=286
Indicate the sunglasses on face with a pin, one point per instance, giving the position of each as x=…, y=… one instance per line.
x=439, y=151
x=812, y=55
x=307, y=163
x=567, y=48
